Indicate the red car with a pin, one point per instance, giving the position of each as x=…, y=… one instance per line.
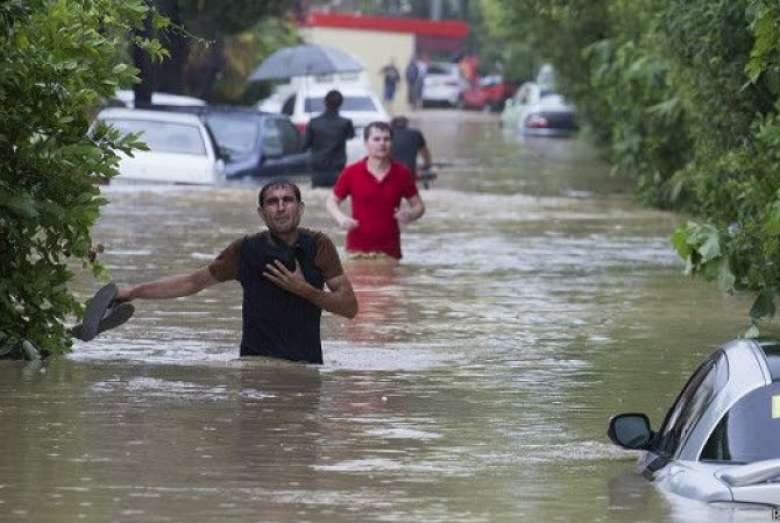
x=489, y=93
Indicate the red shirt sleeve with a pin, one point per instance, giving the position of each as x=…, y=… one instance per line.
x=342, y=188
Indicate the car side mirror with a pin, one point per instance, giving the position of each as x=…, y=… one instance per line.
x=630, y=431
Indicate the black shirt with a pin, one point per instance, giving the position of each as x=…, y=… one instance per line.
x=406, y=144
x=327, y=136
x=278, y=323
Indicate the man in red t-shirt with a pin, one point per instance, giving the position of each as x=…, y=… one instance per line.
x=376, y=184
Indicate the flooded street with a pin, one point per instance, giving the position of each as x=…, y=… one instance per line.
x=534, y=300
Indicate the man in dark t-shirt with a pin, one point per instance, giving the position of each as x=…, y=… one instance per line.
x=407, y=144
x=283, y=271
x=326, y=136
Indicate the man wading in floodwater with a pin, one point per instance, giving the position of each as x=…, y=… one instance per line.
x=282, y=271
x=377, y=185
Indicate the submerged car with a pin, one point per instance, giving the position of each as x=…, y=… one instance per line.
x=720, y=441
x=252, y=143
x=181, y=149
x=534, y=110
x=443, y=84
x=490, y=93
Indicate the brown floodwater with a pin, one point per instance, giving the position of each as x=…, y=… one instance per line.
x=535, y=299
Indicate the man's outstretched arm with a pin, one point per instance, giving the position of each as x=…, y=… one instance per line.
x=340, y=299
x=426, y=156
x=170, y=287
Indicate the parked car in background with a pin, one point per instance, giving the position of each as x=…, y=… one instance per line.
x=126, y=98
x=720, y=441
x=536, y=111
x=489, y=93
x=181, y=149
x=252, y=143
x=443, y=84
x=360, y=105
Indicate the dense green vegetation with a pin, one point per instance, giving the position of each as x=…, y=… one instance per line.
x=58, y=59
x=684, y=95
x=214, y=46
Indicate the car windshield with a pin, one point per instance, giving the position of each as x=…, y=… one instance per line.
x=237, y=135
x=351, y=103
x=166, y=137
x=697, y=394
x=440, y=69
x=750, y=430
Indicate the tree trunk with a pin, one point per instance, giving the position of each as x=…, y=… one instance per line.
x=170, y=75
x=143, y=90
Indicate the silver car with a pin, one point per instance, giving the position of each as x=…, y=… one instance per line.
x=720, y=441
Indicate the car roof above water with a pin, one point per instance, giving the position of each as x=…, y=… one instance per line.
x=144, y=114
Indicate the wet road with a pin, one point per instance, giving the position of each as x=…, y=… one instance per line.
x=535, y=299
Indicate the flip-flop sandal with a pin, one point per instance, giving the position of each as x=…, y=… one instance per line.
x=115, y=316
x=95, y=311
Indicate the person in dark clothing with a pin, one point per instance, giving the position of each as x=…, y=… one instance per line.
x=326, y=136
x=411, y=74
x=407, y=144
x=283, y=271
x=391, y=76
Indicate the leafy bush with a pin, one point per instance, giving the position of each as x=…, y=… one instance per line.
x=58, y=59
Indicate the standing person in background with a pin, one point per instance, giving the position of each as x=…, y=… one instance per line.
x=377, y=185
x=419, y=83
x=391, y=77
x=411, y=74
x=326, y=136
x=407, y=144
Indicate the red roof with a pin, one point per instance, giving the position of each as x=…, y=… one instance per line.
x=418, y=26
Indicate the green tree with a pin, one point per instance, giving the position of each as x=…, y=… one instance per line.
x=196, y=39
x=684, y=95
x=58, y=59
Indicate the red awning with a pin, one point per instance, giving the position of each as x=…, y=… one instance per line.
x=418, y=26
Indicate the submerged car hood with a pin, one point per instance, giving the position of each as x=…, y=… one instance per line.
x=167, y=168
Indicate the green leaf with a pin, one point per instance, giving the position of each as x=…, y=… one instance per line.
x=752, y=332
x=726, y=278
x=23, y=206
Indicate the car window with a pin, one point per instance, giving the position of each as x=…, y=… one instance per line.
x=697, y=394
x=291, y=139
x=438, y=69
x=234, y=134
x=750, y=430
x=272, y=139
x=289, y=106
x=167, y=137
x=351, y=103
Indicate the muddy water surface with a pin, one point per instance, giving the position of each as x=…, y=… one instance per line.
x=535, y=299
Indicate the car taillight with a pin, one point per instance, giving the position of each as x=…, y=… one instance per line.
x=301, y=127
x=536, y=121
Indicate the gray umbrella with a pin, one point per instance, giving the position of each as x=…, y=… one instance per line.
x=304, y=60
